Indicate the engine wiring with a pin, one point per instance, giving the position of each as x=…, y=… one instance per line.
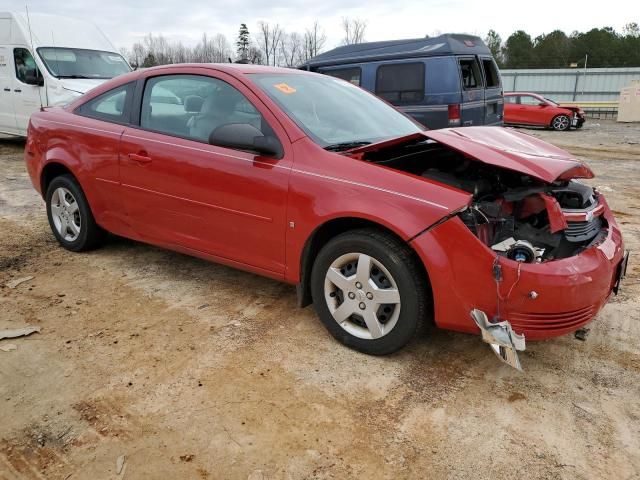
x=497, y=269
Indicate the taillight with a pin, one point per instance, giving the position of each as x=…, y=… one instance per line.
x=454, y=114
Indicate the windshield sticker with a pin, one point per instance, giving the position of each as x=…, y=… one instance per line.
x=284, y=88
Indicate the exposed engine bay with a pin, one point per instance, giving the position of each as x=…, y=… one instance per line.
x=517, y=216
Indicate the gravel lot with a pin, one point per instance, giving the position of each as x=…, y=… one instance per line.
x=195, y=370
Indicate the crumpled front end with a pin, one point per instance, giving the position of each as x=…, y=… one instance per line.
x=539, y=299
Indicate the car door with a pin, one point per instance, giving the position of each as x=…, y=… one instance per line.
x=531, y=110
x=7, y=114
x=510, y=108
x=182, y=192
x=96, y=143
x=494, y=103
x=472, y=108
x=26, y=98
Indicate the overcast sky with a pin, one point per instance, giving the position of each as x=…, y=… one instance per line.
x=127, y=21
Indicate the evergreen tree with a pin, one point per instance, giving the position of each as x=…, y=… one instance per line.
x=243, y=42
x=552, y=50
x=518, y=50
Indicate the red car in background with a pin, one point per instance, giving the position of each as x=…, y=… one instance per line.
x=313, y=181
x=523, y=108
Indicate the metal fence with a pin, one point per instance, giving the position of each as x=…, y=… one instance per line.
x=595, y=89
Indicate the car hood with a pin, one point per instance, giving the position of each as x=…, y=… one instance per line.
x=572, y=108
x=81, y=85
x=508, y=148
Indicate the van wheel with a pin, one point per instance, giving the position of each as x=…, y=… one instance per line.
x=369, y=292
x=70, y=217
x=561, y=123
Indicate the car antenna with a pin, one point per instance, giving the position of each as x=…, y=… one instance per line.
x=33, y=52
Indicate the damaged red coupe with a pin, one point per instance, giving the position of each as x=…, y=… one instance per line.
x=311, y=180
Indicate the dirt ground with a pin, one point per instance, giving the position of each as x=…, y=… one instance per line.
x=194, y=370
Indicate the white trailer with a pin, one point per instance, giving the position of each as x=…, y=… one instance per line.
x=49, y=60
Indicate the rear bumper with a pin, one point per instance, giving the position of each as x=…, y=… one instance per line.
x=539, y=300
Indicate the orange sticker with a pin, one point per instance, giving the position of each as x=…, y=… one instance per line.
x=284, y=88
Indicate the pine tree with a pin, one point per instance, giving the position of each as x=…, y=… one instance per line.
x=243, y=42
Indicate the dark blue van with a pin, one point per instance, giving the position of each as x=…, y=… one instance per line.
x=445, y=81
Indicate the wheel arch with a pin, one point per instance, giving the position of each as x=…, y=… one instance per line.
x=325, y=232
x=52, y=170
x=561, y=113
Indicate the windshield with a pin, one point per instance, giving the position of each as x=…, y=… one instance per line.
x=81, y=63
x=334, y=112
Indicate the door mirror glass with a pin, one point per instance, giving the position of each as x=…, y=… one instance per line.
x=542, y=104
x=244, y=136
x=32, y=77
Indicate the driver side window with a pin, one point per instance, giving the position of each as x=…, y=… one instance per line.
x=529, y=100
x=24, y=63
x=193, y=106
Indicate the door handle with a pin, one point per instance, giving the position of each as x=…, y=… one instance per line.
x=7, y=89
x=139, y=158
x=17, y=90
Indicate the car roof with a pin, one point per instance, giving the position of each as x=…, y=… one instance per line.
x=446, y=44
x=522, y=93
x=231, y=68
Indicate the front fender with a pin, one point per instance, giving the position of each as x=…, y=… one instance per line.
x=405, y=209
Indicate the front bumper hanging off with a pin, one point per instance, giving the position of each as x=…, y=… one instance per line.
x=504, y=342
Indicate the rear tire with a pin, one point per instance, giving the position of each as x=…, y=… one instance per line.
x=561, y=123
x=70, y=216
x=369, y=291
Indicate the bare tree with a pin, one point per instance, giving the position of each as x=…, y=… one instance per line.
x=255, y=55
x=264, y=40
x=314, y=40
x=156, y=50
x=291, y=48
x=354, y=29
x=269, y=40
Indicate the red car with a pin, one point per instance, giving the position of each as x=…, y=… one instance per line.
x=311, y=180
x=522, y=108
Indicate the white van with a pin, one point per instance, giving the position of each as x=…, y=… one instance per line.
x=49, y=60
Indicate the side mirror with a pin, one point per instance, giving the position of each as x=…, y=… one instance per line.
x=542, y=104
x=32, y=78
x=244, y=136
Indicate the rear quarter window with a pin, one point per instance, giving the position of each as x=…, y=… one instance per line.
x=112, y=106
x=400, y=83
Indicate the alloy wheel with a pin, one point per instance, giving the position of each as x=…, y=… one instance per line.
x=561, y=122
x=65, y=214
x=362, y=296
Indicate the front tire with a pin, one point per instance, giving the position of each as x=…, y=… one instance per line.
x=561, y=123
x=70, y=216
x=369, y=292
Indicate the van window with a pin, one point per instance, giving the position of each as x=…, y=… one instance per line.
x=470, y=71
x=491, y=77
x=111, y=106
x=400, y=82
x=349, y=74
x=442, y=76
x=24, y=63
